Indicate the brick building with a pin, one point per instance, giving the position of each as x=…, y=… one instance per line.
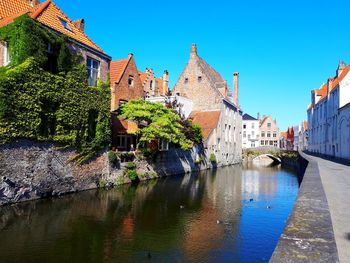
x=126, y=85
x=51, y=16
x=154, y=87
x=219, y=117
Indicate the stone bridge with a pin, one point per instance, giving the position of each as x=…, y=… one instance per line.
x=275, y=159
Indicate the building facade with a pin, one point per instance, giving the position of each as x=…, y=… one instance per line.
x=154, y=87
x=219, y=117
x=269, y=132
x=51, y=16
x=328, y=116
x=250, y=132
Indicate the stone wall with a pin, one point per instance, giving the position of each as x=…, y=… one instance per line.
x=308, y=235
x=31, y=170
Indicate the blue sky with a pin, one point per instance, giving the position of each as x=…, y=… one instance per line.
x=282, y=49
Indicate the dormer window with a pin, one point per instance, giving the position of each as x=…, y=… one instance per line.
x=65, y=24
x=186, y=80
x=131, y=81
x=199, y=78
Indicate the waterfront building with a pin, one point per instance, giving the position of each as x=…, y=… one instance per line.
x=303, y=136
x=154, y=87
x=52, y=17
x=269, y=132
x=283, y=141
x=126, y=85
x=250, y=132
x=329, y=116
x=219, y=116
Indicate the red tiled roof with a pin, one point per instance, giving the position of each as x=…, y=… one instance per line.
x=284, y=135
x=46, y=13
x=305, y=124
x=117, y=69
x=143, y=76
x=322, y=92
x=208, y=120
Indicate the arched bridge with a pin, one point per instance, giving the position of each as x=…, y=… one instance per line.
x=272, y=157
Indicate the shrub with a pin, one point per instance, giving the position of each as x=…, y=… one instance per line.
x=212, y=158
x=131, y=166
x=132, y=174
x=112, y=157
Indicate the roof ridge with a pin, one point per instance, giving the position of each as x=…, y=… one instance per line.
x=39, y=9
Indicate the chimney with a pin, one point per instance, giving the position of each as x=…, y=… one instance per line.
x=235, y=88
x=165, y=82
x=258, y=116
x=80, y=24
x=193, y=52
x=340, y=68
x=329, y=85
x=32, y=2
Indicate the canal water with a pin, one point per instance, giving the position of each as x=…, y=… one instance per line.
x=233, y=214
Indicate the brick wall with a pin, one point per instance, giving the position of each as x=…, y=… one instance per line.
x=122, y=90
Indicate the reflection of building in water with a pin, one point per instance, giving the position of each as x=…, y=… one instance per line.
x=256, y=181
x=221, y=201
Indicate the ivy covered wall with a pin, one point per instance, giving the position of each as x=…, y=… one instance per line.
x=42, y=104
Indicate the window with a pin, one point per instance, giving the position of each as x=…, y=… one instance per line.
x=151, y=84
x=244, y=134
x=268, y=135
x=229, y=133
x=269, y=125
x=253, y=126
x=225, y=132
x=121, y=141
x=65, y=24
x=163, y=145
x=248, y=136
x=93, y=67
x=131, y=81
x=271, y=143
x=199, y=78
x=274, y=135
x=263, y=134
x=253, y=133
x=6, y=54
x=244, y=126
x=186, y=80
x=262, y=143
x=275, y=143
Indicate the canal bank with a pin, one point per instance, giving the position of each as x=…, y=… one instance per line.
x=32, y=170
x=308, y=235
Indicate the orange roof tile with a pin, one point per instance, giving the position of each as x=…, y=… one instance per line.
x=305, y=124
x=284, y=135
x=208, y=120
x=46, y=13
x=335, y=82
x=117, y=69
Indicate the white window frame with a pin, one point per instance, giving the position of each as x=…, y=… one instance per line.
x=90, y=69
x=6, y=54
x=163, y=145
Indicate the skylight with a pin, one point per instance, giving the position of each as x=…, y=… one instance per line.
x=65, y=24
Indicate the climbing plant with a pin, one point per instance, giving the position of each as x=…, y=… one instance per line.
x=161, y=123
x=26, y=38
x=39, y=105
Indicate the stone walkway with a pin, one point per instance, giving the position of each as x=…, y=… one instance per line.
x=336, y=182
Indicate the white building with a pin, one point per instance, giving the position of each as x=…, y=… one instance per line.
x=250, y=132
x=329, y=116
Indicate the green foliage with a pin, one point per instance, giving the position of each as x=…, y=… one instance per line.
x=212, y=158
x=132, y=175
x=28, y=38
x=130, y=166
x=199, y=160
x=38, y=105
x=112, y=157
x=162, y=123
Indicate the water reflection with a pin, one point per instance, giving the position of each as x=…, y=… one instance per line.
x=167, y=220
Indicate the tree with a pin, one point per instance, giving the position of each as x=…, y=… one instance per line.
x=160, y=123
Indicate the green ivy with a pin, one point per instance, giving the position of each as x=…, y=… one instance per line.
x=38, y=105
x=28, y=38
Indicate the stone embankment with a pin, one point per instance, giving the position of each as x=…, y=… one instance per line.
x=308, y=235
x=31, y=170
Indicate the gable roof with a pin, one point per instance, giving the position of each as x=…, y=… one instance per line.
x=210, y=72
x=247, y=117
x=208, y=120
x=117, y=69
x=322, y=92
x=48, y=14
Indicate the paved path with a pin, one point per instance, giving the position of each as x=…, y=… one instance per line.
x=336, y=182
